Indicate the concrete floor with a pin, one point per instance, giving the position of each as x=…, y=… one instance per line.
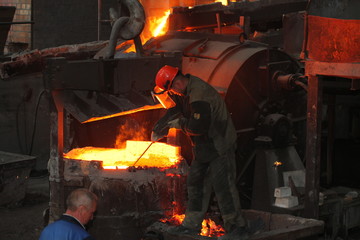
x=24, y=221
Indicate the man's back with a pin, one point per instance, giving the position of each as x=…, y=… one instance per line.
x=66, y=228
x=222, y=130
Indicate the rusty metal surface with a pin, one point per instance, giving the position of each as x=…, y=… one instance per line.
x=333, y=40
x=345, y=70
x=56, y=164
x=34, y=61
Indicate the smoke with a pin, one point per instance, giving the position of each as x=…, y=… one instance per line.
x=130, y=130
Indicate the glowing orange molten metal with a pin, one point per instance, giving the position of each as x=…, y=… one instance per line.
x=209, y=227
x=223, y=2
x=156, y=26
x=160, y=155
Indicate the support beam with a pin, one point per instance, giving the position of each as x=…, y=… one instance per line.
x=56, y=164
x=313, y=147
x=330, y=138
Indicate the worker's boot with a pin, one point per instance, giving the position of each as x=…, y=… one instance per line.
x=238, y=233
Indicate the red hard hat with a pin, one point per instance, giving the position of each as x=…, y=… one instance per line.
x=165, y=76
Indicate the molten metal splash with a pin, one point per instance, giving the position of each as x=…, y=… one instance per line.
x=209, y=227
x=156, y=26
x=160, y=155
x=159, y=25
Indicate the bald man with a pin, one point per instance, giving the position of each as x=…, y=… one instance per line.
x=81, y=205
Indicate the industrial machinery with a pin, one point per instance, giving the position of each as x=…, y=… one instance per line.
x=97, y=102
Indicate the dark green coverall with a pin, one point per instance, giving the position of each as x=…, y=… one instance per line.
x=204, y=117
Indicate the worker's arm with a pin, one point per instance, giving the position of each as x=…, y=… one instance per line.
x=161, y=128
x=199, y=121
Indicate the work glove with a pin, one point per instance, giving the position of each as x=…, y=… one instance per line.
x=161, y=131
x=156, y=136
x=176, y=123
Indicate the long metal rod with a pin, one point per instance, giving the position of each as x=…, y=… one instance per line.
x=99, y=19
x=143, y=153
x=330, y=138
x=11, y=23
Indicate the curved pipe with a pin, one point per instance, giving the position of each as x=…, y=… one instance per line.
x=119, y=23
x=136, y=22
x=301, y=84
x=126, y=27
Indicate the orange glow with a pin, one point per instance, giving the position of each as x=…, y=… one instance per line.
x=223, y=2
x=160, y=155
x=155, y=26
x=276, y=164
x=158, y=25
x=130, y=130
x=143, y=108
x=176, y=219
x=209, y=227
x=172, y=175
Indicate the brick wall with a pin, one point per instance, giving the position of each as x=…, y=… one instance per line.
x=19, y=33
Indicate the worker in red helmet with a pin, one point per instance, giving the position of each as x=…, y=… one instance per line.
x=200, y=112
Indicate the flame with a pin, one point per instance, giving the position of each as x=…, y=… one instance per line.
x=160, y=155
x=209, y=227
x=156, y=26
x=176, y=219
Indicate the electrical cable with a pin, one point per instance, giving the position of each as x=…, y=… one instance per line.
x=17, y=126
x=34, y=122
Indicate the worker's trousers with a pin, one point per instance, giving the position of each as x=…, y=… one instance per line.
x=218, y=174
